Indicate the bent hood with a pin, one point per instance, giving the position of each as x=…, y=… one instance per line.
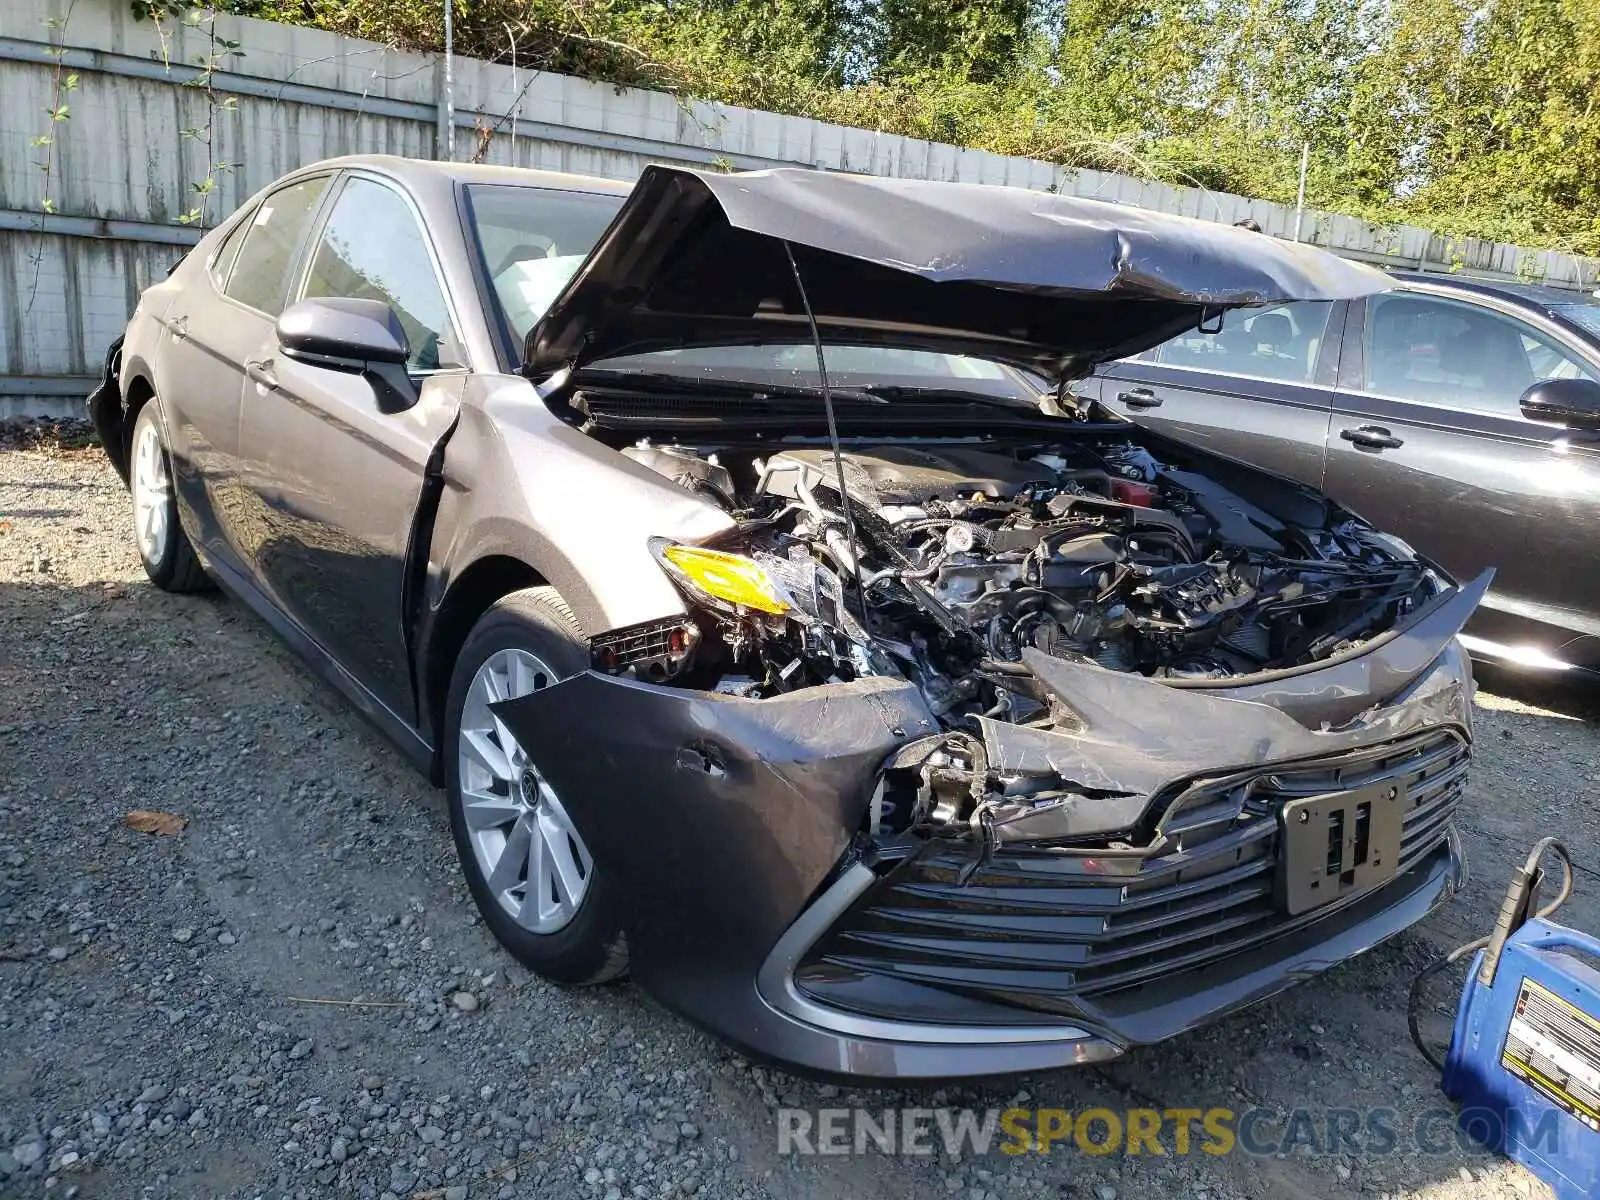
x=1051, y=283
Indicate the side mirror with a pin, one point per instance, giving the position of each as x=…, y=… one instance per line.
x=362, y=337
x=1574, y=403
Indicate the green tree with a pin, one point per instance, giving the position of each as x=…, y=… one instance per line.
x=977, y=41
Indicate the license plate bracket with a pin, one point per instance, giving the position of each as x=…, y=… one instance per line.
x=1338, y=844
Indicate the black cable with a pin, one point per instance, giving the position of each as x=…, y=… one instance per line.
x=1529, y=868
x=833, y=437
x=1414, y=1002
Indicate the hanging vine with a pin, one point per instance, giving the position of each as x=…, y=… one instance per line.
x=203, y=136
x=62, y=84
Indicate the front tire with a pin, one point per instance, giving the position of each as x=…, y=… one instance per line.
x=164, y=549
x=532, y=877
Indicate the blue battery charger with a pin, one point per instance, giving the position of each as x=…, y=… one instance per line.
x=1524, y=1057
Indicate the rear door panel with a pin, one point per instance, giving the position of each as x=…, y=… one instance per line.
x=211, y=331
x=203, y=338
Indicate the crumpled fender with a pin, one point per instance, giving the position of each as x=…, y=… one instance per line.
x=719, y=816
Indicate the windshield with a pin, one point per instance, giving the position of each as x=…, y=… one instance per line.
x=1586, y=315
x=533, y=240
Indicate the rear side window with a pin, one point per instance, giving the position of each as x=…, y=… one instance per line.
x=372, y=248
x=260, y=273
x=1281, y=342
x=228, y=251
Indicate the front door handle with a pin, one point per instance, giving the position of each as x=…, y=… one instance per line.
x=179, y=327
x=1140, y=398
x=260, y=370
x=1371, y=437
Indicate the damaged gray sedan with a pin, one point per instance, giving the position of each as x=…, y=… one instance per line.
x=784, y=631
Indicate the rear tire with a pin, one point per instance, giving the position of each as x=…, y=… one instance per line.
x=164, y=549
x=533, y=879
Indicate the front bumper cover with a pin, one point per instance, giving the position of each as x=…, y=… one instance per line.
x=734, y=827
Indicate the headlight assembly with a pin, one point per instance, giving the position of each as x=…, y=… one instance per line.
x=728, y=583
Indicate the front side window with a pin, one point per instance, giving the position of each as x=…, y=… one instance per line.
x=260, y=274
x=1456, y=355
x=1281, y=342
x=373, y=248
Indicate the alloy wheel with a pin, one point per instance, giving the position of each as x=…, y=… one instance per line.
x=152, y=494
x=531, y=856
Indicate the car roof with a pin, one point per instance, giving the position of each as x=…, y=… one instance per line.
x=1527, y=294
x=425, y=173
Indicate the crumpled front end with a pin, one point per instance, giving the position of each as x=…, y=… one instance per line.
x=773, y=898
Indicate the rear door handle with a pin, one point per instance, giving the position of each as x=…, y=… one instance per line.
x=260, y=370
x=178, y=327
x=1140, y=398
x=1371, y=437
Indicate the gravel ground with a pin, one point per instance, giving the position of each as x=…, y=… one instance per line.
x=179, y=1016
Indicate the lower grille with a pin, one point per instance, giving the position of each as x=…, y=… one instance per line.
x=1035, y=924
x=653, y=650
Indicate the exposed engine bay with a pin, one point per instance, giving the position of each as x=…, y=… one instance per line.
x=941, y=561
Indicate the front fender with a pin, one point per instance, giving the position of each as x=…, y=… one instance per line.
x=520, y=483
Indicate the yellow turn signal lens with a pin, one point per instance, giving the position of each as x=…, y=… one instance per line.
x=731, y=578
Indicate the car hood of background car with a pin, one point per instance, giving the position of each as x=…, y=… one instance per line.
x=1051, y=283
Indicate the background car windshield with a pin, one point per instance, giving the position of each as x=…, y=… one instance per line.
x=532, y=240
x=1586, y=314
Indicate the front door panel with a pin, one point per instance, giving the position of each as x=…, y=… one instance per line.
x=1446, y=460
x=337, y=481
x=336, y=488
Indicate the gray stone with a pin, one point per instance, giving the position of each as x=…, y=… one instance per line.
x=29, y=1152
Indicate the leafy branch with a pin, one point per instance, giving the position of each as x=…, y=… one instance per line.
x=62, y=84
x=218, y=50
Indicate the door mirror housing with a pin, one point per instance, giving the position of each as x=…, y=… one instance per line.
x=361, y=337
x=1574, y=403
